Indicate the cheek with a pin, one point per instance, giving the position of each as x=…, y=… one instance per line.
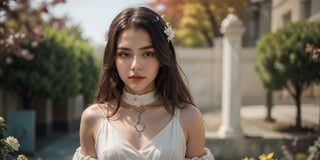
x=120, y=67
x=155, y=68
x=119, y=62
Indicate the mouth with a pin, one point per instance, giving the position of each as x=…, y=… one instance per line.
x=136, y=78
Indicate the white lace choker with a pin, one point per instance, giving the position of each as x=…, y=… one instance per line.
x=139, y=100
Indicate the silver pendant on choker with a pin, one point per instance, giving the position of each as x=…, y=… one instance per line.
x=139, y=127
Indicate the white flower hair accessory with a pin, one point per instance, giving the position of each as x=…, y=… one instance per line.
x=169, y=32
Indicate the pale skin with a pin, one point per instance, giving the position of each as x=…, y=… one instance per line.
x=138, y=66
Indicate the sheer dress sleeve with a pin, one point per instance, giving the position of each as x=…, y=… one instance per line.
x=79, y=156
x=207, y=156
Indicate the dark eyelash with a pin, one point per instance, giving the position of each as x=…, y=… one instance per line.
x=122, y=54
x=150, y=53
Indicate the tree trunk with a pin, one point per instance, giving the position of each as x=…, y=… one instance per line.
x=214, y=24
x=297, y=99
x=207, y=37
x=269, y=105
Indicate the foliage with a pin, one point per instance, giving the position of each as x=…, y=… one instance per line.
x=8, y=146
x=63, y=67
x=88, y=68
x=294, y=153
x=314, y=52
x=312, y=154
x=88, y=64
x=62, y=62
x=314, y=150
x=57, y=54
x=282, y=62
x=196, y=22
x=267, y=67
x=24, y=77
x=20, y=22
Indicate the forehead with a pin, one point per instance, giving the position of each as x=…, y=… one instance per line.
x=134, y=38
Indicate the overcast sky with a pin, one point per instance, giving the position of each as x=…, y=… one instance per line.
x=94, y=16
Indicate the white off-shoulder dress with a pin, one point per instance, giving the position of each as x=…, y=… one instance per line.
x=168, y=144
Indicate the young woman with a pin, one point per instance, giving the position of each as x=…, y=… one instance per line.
x=143, y=109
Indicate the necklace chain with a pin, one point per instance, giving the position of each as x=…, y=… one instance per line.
x=139, y=101
x=140, y=126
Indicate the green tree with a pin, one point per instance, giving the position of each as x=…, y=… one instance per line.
x=88, y=68
x=63, y=67
x=53, y=73
x=282, y=62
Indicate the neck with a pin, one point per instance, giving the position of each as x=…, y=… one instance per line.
x=139, y=100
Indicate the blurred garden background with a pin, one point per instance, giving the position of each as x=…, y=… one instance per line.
x=51, y=53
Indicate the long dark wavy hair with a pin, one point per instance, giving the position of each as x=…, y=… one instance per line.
x=169, y=84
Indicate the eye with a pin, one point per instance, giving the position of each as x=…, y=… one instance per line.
x=122, y=54
x=149, y=54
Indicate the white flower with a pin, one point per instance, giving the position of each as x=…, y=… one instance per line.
x=22, y=157
x=13, y=142
x=1, y=120
x=169, y=32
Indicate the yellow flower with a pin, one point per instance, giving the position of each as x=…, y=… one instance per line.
x=245, y=158
x=13, y=142
x=266, y=157
x=1, y=120
x=22, y=157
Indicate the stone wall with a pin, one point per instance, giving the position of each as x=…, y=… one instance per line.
x=203, y=70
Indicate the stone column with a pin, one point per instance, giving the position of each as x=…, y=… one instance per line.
x=232, y=29
x=217, y=71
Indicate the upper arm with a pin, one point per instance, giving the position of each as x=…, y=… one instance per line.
x=88, y=122
x=193, y=125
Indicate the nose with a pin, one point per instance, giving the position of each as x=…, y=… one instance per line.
x=136, y=63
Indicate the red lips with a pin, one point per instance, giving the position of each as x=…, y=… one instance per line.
x=136, y=78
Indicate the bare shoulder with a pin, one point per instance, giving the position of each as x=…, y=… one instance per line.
x=91, y=114
x=190, y=114
x=90, y=120
x=193, y=126
x=88, y=128
x=191, y=119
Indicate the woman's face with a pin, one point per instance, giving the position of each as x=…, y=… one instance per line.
x=136, y=61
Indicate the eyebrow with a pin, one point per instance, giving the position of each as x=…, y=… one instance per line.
x=142, y=48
